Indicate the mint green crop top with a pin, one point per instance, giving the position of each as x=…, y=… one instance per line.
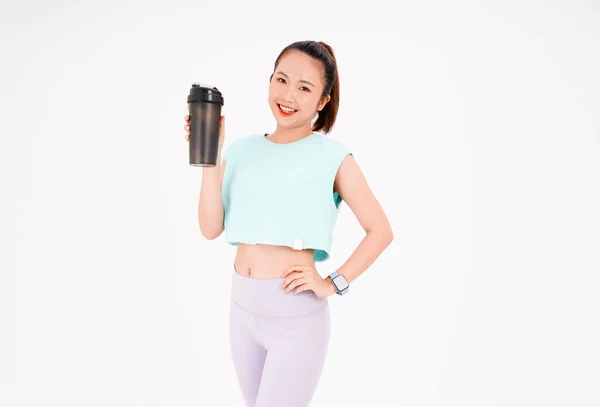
x=282, y=194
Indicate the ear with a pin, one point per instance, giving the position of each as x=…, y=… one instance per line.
x=323, y=103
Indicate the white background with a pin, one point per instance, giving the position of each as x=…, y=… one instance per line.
x=477, y=127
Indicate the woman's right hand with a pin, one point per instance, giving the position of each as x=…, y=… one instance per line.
x=221, y=132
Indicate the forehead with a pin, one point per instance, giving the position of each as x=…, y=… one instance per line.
x=298, y=65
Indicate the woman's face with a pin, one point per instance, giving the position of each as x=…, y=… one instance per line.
x=297, y=84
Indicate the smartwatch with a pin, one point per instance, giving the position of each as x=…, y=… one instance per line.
x=340, y=283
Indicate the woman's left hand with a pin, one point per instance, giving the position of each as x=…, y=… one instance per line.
x=306, y=278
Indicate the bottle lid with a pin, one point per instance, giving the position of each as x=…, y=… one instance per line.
x=205, y=93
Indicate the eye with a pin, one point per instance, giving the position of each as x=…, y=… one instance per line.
x=307, y=90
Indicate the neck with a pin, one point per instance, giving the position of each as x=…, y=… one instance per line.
x=288, y=135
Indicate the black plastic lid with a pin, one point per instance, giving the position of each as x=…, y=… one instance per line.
x=205, y=93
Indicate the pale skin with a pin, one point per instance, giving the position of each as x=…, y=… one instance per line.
x=288, y=87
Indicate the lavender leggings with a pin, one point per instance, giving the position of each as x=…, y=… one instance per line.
x=278, y=341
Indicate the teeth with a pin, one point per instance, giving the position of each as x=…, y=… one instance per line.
x=285, y=109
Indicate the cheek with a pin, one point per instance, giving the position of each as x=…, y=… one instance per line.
x=273, y=94
x=308, y=102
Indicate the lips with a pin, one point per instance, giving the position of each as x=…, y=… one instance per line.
x=283, y=113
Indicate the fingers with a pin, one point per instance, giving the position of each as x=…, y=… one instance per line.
x=291, y=277
x=295, y=283
x=299, y=287
x=187, y=127
x=299, y=268
x=187, y=134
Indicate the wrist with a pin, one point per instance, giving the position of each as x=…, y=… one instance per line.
x=332, y=289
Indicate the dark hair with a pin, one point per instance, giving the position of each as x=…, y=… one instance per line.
x=324, y=53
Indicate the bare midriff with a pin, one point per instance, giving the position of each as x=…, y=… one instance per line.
x=265, y=261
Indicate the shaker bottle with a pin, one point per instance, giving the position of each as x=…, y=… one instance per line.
x=205, y=124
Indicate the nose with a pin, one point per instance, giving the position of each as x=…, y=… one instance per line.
x=290, y=96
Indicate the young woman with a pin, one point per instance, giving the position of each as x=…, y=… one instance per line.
x=277, y=196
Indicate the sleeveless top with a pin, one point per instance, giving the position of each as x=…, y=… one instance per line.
x=282, y=194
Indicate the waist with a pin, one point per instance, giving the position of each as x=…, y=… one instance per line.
x=264, y=297
x=263, y=261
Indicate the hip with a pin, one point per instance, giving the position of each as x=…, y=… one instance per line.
x=265, y=298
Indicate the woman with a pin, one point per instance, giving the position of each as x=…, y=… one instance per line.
x=277, y=196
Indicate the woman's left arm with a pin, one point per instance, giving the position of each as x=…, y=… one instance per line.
x=351, y=185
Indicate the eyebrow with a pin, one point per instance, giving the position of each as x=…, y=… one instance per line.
x=301, y=80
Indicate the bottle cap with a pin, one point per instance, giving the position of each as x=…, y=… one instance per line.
x=205, y=93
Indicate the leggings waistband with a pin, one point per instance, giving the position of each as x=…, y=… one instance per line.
x=264, y=297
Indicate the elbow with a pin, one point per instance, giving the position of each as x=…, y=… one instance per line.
x=383, y=235
x=210, y=234
x=388, y=234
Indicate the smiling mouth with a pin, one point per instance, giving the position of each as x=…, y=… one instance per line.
x=284, y=112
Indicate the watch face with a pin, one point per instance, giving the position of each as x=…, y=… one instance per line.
x=340, y=282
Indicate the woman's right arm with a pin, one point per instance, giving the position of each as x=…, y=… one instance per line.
x=210, y=204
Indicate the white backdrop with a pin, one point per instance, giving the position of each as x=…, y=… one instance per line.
x=476, y=124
